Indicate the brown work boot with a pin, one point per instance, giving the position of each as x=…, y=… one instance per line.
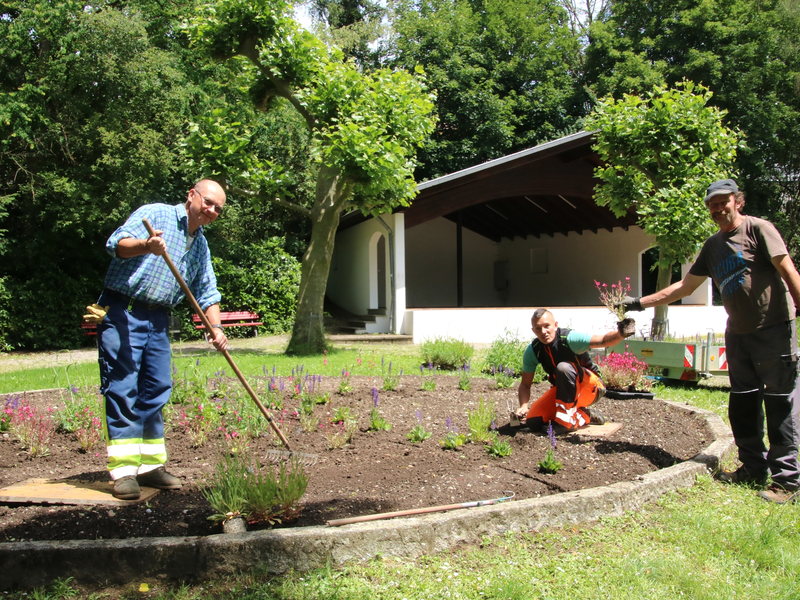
x=126, y=488
x=159, y=479
x=779, y=494
x=595, y=416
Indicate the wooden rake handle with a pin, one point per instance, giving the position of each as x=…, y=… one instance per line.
x=188, y=293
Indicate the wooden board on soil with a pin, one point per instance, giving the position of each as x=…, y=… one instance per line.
x=378, y=472
x=68, y=491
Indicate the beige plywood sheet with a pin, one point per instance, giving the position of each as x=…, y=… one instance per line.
x=67, y=491
x=600, y=431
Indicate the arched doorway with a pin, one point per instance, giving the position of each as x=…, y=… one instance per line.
x=377, y=271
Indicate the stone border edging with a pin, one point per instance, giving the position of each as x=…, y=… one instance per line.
x=30, y=564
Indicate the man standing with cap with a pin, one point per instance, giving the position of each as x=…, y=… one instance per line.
x=749, y=263
x=132, y=315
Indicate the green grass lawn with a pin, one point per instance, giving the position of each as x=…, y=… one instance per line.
x=709, y=542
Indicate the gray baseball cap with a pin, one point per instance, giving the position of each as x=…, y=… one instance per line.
x=722, y=186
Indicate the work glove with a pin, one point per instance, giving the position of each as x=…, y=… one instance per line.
x=626, y=327
x=631, y=304
x=96, y=313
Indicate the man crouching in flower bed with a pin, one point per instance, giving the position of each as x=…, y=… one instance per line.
x=576, y=382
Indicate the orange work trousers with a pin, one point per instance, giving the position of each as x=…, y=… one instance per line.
x=570, y=415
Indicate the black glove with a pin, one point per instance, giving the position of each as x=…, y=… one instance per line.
x=631, y=304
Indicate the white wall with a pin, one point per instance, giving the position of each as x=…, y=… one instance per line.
x=351, y=281
x=431, y=266
x=574, y=262
x=482, y=326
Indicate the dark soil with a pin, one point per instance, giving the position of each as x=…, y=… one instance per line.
x=377, y=472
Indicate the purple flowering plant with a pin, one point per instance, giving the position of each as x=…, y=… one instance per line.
x=549, y=464
x=376, y=421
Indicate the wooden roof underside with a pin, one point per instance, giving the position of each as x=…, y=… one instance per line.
x=537, y=192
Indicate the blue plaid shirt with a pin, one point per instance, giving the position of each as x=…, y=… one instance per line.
x=147, y=277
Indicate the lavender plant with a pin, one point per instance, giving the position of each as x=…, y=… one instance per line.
x=452, y=439
x=464, y=379
x=376, y=421
x=549, y=464
x=390, y=382
x=240, y=487
x=344, y=383
x=429, y=381
x=7, y=416
x=418, y=433
x=503, y=377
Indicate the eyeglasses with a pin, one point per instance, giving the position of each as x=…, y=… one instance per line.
x=208, y=203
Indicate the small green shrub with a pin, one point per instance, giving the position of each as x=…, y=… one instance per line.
x=506, y=350
x=446, y=353
x=498, y=448
x=418, y=434
x=241, y=487
x=481, y=421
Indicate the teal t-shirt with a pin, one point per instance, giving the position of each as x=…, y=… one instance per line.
x=578, y=342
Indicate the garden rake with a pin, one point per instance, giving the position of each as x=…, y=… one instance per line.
x=275, y=456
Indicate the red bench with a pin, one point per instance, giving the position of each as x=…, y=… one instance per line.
x=240, y=318
x=89, y=328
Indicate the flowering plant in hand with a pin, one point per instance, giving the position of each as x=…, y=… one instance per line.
x=624, y=372
x=612, y=296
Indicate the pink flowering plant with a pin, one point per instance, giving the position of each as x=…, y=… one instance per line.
x=34, y=428
x=625, y=372
x=612, y=296
x=89, y=432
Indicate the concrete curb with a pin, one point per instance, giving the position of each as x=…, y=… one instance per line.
x=29, y=564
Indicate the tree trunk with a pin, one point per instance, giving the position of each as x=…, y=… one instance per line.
x=658, y=328
x=308, y=334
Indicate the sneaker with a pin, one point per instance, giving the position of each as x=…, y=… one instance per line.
x=159, y=479
x=126, y=488
x=743, y=476
x=595, y=416
x=780, y=495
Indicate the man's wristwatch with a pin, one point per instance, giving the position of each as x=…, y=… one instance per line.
x=216, y=326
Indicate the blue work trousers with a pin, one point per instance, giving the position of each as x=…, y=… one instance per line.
x=135, y=379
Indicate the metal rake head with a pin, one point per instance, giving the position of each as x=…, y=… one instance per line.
x=279, y=456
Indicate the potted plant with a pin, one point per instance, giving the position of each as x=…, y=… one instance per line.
x=625, y=376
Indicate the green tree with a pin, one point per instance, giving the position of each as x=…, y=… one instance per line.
x=363, y=131
x=352, y=25
x=504, y=72
x=747, y=53
x=661, y=152
x=91, y=114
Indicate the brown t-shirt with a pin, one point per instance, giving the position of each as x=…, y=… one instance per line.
x=753, y=292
